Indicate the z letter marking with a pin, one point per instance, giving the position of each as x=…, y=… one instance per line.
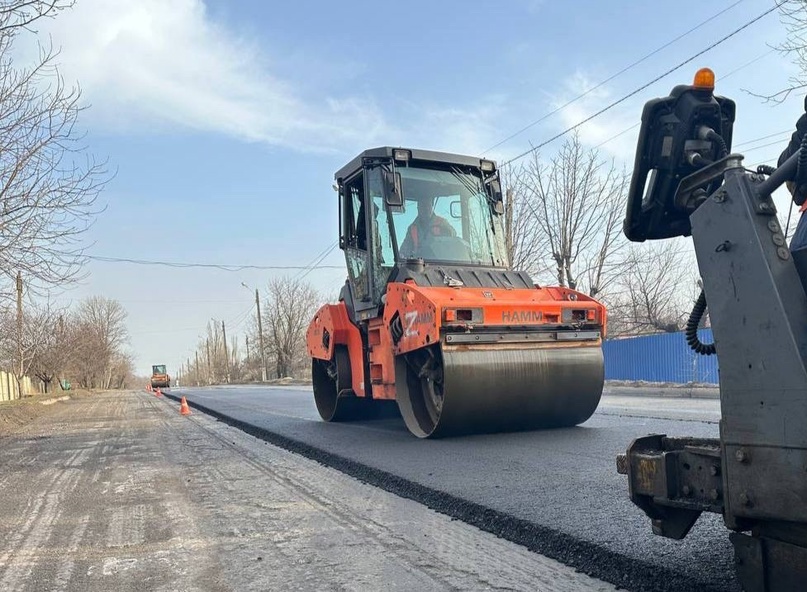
x=410, y=317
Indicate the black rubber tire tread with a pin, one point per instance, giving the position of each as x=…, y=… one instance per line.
x=330, y=395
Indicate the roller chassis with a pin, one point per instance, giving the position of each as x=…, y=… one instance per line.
x=508, y=379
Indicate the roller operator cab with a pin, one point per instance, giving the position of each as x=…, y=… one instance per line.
x=159, y=377
x=432, y=316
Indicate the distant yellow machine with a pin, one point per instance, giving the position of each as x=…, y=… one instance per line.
x=159, y=377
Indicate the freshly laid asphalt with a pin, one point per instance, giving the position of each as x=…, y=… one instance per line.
x=556, y=491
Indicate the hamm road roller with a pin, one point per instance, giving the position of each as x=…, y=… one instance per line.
x=431, y=315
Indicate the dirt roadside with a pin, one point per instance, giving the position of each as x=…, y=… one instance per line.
x=120, y=492
x=15, y=415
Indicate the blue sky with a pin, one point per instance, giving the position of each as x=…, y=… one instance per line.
x=225, y=121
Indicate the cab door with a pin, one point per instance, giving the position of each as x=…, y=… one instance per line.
x=353, y=241
x=366, y=239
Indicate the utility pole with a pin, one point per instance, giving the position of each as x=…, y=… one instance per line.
x=19, y=332
x=196, y=368
x=260, y=337
x=226, y=357
x=207, y=347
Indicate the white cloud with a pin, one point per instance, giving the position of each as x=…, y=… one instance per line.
x=465, y=129
x=602, y=131
x=165, y=62
x=147, y=65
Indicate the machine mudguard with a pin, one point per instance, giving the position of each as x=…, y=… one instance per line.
x=331, y=326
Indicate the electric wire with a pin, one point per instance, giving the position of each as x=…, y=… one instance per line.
x=612, y=77
x=239, y=319
x=317, y=258
x=321, y=259
x=745, y=65
x=646, y=85
x=221, y=266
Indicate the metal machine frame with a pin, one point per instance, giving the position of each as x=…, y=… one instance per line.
x=755, y=474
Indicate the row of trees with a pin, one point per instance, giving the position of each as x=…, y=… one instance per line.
x=563, y=221
x=85, y=346
x=49, y=185
x=288, y=305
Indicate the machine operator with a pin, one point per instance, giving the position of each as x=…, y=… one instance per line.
x=426, y=225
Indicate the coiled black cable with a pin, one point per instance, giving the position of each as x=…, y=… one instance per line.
x=691, y=333
x=765, y=169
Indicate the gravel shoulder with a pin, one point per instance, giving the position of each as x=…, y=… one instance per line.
x=16, y=414
x=119, y=491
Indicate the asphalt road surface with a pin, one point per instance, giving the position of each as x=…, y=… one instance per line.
x=120, y=492
x=556, y=492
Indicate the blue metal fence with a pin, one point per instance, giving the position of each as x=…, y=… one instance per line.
x=665, y=357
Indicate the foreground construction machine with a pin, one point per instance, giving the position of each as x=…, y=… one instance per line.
x=687, y=182
x=431, y=316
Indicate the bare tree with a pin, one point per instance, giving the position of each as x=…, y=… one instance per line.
x=211, y=348
x=98, y=335
x=794, y=17
x=290, y=304
x=527, y=246
x=51, y=358
x=122, y=371
x=577, y=201
x=655, y=292
x=48, y=182
x=28, y=355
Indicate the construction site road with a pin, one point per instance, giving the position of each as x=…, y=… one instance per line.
x=556, y=492
x=119, y=491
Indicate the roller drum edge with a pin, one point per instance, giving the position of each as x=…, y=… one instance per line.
x=501, y=390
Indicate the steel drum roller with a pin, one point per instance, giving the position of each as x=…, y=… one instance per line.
x=453, y=391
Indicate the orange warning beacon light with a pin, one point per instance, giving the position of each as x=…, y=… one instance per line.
x=704, y=79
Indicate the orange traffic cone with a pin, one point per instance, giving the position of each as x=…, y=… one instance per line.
x=183, y=407
x=158, y=392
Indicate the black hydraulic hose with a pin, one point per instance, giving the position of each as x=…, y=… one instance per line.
x=724, y=150
x=801, y=165
x=704, y=349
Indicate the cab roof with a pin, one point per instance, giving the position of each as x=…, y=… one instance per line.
x=417, y=155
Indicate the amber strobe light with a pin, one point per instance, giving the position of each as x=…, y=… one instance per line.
x=704, y=79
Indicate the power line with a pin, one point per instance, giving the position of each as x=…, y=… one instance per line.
x=320, y=260
x=222, y=266
x=777, y=134
x=610, y=78
x=745, y=65
x=635, y=125
x=644, y=86
x=181, y=301
x=622, y=133
x=239, y=319
x=752, y=149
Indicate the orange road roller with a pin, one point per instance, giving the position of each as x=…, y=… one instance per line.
x=431, y=315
